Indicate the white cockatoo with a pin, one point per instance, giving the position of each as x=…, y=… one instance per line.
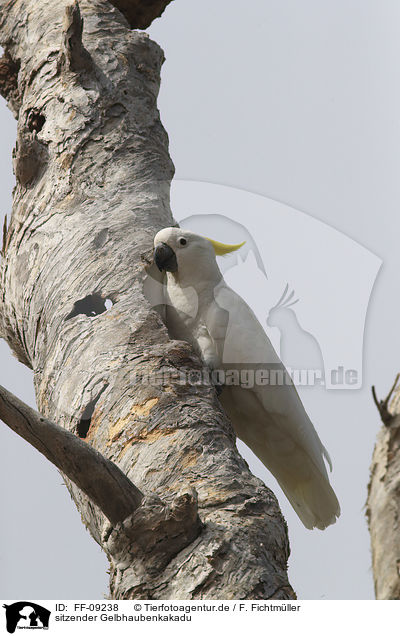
x=268, y=417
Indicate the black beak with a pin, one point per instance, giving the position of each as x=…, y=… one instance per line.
x=164, y=258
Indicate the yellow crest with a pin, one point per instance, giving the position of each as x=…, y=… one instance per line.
x=222, y=248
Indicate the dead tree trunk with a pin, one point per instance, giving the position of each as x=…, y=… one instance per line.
x=383, y=503
x=93, y=176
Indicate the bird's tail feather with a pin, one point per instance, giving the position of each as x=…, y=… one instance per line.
x=313, y=500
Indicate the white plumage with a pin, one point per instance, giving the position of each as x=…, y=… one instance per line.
x=223, y=329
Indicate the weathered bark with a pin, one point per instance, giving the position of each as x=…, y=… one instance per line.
x=93, y=175
x=383, y=503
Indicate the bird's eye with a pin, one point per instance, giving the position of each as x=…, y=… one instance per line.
x=182, y=241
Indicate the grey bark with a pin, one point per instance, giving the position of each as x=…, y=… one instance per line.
x=93, y=175
x=383, y=503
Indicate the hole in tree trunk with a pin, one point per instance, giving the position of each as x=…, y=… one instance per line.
x=86, y=419
x=83, y=427
x=35, y=120
x=92, y=305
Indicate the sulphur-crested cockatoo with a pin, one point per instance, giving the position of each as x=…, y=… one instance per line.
x=268, y=417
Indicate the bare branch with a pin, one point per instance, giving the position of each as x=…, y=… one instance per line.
x=383, y=504
x=99, y=478
x=383, y=405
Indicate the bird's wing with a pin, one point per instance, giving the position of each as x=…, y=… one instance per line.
x=265, y=433
x=247, y=345
x=270, y=418
x=245, y=341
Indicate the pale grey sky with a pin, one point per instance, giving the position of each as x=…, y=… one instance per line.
x=298, y=102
